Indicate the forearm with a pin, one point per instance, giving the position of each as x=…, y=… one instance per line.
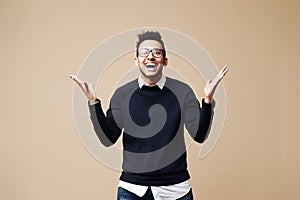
x=106, y=129
x=206, y=116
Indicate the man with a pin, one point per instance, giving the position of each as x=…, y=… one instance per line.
x=151, y=112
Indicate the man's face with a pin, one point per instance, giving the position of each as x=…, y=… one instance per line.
x=151, y=63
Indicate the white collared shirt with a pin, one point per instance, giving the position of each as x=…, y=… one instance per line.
x=160, y=83
x=168, y=192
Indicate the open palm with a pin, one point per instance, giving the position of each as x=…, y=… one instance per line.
x=86, y=88
x=211, y=85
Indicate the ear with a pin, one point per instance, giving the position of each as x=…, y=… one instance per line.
x=136, y=62
x=165, y=62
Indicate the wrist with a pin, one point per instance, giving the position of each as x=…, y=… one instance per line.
x=93, y=101
x=207, y=100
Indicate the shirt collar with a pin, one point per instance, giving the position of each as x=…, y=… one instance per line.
x=160, y=83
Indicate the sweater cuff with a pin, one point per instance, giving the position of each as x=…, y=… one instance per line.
x=208, y=105
x=93, y=106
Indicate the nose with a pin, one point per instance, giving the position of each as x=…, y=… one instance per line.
x=150, y=56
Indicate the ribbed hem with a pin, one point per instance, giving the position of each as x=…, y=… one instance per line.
x=153, y=179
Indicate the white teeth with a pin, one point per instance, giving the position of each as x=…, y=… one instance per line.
x=150, y=65
x=149, y=69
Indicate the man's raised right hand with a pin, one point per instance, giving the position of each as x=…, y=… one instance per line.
x=86, y=88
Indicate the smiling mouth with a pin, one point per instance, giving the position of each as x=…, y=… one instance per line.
x=150, y=65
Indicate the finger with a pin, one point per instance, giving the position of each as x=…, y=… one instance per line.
x=224, y=67
x=225, y=70
x=77, y=80
x=208, y=82
x=222, y=70
x=86, y=86
x=72, y=76
x=221, y=73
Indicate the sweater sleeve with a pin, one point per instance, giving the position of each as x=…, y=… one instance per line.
x=106, y=128
x=197, y=120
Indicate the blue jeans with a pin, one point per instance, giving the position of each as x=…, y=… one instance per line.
x=126, y=195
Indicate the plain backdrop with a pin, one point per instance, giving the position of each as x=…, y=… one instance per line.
x=41, y=42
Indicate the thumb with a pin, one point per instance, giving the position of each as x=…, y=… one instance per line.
x=87, y=86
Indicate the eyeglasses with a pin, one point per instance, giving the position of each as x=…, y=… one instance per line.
x=157, y=53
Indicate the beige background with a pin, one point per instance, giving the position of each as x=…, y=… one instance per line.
x=42, y=42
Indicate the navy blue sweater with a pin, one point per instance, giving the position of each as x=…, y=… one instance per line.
x=153, y=121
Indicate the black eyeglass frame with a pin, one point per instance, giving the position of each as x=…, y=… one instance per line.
x=151, y=51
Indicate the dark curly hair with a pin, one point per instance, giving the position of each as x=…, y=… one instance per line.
x=149, y=35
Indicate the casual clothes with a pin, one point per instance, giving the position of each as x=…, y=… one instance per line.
x=153, y=120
